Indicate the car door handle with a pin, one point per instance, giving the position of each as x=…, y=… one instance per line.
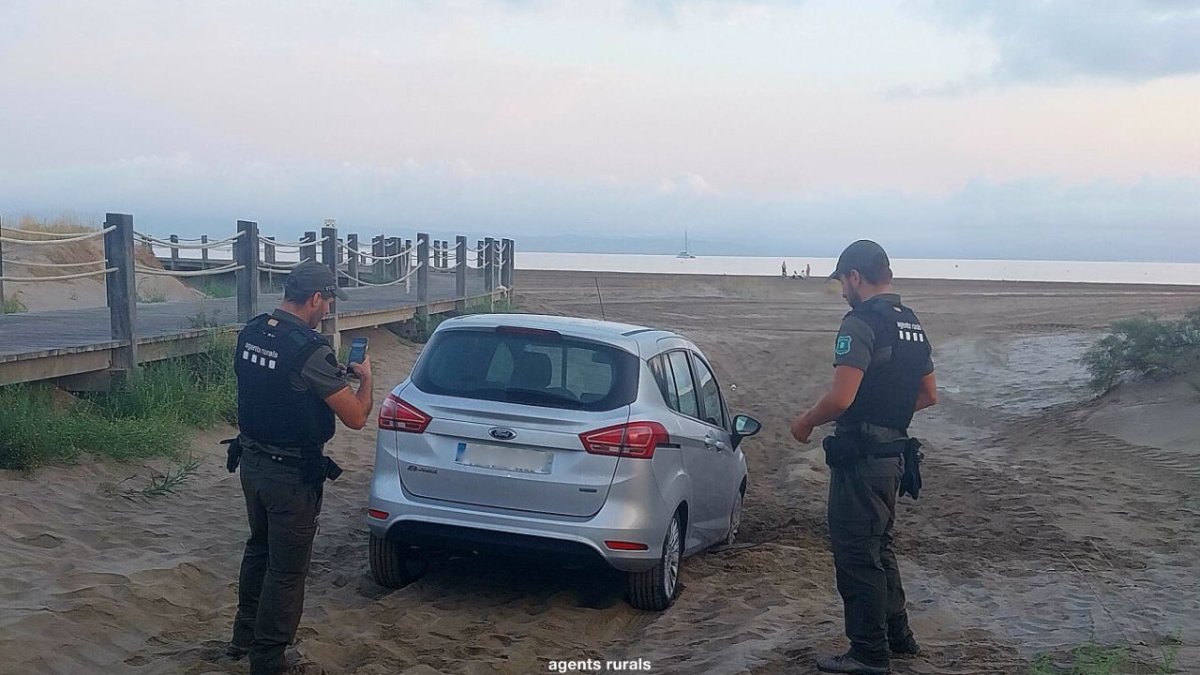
x=713, y=444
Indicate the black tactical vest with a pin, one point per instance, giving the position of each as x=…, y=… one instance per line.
x=891, y=383
x=269, y=409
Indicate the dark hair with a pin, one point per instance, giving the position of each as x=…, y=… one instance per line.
x=299, y=297
x=878, y=276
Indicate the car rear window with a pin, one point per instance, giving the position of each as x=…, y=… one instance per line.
x=539, y=369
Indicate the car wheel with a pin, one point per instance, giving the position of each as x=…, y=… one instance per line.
x=394, y=565
x=656, y=588
x=735, y=518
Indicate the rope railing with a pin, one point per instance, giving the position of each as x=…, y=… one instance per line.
x=47, y=242
x=393, y=282
x=292, y=244
x=176, y=273
x=25, y=263
x=143, y=235
x=190, y=247
x=378, y=258
x=61, y=277
x=279, y=267
x=39, y=233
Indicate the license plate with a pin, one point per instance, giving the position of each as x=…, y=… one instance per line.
x=520, y=460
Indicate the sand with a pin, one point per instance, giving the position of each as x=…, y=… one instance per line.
x=1048, y=518
x=76, y=293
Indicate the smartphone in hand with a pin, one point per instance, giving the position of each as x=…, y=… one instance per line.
x=358, y=352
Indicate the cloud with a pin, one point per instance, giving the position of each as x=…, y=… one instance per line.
x=1056, y=41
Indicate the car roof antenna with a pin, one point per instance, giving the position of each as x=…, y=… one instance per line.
x=600, y=298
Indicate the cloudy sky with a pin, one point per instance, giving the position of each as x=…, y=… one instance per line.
x=1044, y=129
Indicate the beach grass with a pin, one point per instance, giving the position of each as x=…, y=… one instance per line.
x=151, y=415
x=1093, y=658
x=12, y=306
x=61, y=224
x=1143, y=347
x=216, y=288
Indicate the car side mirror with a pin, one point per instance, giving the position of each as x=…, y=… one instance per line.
x=744, y=426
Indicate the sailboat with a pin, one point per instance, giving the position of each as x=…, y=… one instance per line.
x=685, y=253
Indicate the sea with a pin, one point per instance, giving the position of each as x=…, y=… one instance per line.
x=1076, y=271
x=1179, y=274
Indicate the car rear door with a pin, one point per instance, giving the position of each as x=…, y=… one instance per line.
x=506, y=412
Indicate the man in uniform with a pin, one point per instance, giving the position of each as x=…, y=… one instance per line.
x=883, y=374
x=290, y=387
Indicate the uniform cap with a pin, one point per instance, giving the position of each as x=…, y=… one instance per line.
x=863, y=255
x=311, y=276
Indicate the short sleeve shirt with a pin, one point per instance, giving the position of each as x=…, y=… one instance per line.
x=321, y=373
x=855, y=344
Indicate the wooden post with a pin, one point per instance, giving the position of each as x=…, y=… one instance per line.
x=329, y=248
x=390, y=248
x=308, y=251
x=203, y=252
x=329, y=256
x=341, y=251
x=406, y=260
x=479, y=254
x=507, y=271
x=268, y=251
x=460, y=273
x=174, y=252
x=377, y=250
x=489, y=264
x=422, y=267
x=352, y=259
x=121, y=289
x=1, y=264
x=245, y=253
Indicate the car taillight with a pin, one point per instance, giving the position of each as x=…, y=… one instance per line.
x=397, y=415
x=636, y=440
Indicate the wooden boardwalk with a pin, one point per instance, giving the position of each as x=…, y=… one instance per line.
x=57, y=344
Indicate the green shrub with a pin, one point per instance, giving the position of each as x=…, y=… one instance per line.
x=1142, y=346
x=151, y=415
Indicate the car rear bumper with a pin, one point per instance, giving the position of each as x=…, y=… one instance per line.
x=428, y=522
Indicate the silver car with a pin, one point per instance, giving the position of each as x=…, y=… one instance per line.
x=575, y=439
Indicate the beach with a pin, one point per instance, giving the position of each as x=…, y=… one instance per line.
x=1049, y=518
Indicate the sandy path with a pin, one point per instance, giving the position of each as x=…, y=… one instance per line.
x=1038, y=529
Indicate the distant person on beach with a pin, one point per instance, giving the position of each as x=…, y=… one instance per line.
x=807, y=271
x=785, y=269
x=290, y=388
x=883, y=374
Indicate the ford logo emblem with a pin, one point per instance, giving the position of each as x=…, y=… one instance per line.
x=502, y=433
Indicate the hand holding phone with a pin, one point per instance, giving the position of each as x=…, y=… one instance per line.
x=358, y=354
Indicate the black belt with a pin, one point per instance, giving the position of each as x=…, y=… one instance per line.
x=285, y=460
x=889, y=449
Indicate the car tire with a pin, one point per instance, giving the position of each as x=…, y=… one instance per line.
x=656, y=588
x=735, y=518
x=394, y=565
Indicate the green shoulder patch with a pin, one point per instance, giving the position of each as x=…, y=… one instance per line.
x=842, y=347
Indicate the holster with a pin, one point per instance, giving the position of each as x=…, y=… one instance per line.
x=840, y=451
x=910, y=482
x=233, y=453
x=320, y=469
